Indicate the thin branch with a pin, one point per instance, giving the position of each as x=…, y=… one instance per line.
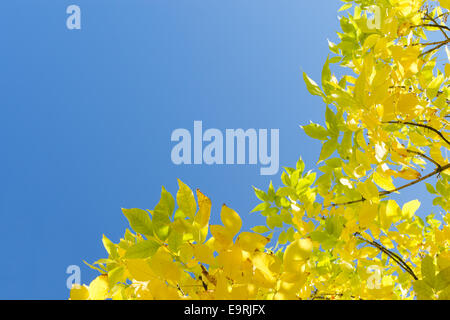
x=434, y=26
x=325, y=296
x=389, y=253
x=438, y=25
x=438, y=170
x=434, y=43
x=422, y=126
x=423, y=155
x=438, y=45
x=347, y=203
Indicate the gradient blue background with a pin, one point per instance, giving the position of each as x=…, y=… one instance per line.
x=86, y=116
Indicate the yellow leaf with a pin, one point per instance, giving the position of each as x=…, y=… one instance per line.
x=436, y=154
x=164, y=266
x=221, y=235
x=230, y=220
x=203, y=253
x=79, y=292
x=204, y=211
x=289, y=285
x=250, y=242
x=370, y=41
x=159, y=290
x=230, y=261
x=447, y=70
x=383, y=181
x=392, y=209
x=367, y=213
x=368, y=190
x=408, y=174
x=380, y=151
x=445, y=4
x=140, y=269
x=407, y=104
x=410, y=208
x=296, y=254
x=98, y=288
x=264, y=275
x=443, y=260
x=186, y=200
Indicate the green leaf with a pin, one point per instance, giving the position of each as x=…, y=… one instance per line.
x=326, y=76
x=161, y=222
x=443, y=279
x=316, y=131
x=345, y=7
x=334, y=225
x=312, y=86
x=166, y=203
x=422, y=290
x=186, y=200
x=319, y=236
x=300, y=165
x=261, y=195
x=430, y=188
x=271, y=192
x=445, y=294
x=274, y=221
x=116, y=275
x=270, y=211
x=287, y=192
x=285, y=179
x=110, y=247
x=282, y=238
x=260, y=229
x=142, y=250
x=175, y=240
x=328, y=149
x=94, y=267
x=286, y=216
x=428, y=270
x=304, y=183
x=331, y=122
x=139, y=221
x=261, y=207
x=433, y=86
x=161, y=214
x=129, y=236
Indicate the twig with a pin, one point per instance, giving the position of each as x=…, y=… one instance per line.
x=423, y=155
x=385, y=193
x=434, y=26
x=422, y=126
x=389, y=253
x=437, y=25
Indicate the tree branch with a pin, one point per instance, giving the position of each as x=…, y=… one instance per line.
x=438, y=45
x=438, y=170
x=389, y=253
x=436, y=24
x=422, y=126
x=423, y=155
x=441, y=27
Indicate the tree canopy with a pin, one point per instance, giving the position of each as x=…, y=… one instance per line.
x=340, y=234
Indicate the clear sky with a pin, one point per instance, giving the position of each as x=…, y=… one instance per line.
x=87, y=115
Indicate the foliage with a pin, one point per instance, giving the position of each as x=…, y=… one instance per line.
x=336, y=233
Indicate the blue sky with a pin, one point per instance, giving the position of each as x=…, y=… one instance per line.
x=87, y=115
